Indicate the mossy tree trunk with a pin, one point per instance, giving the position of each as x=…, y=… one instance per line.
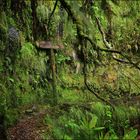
x=35, y=21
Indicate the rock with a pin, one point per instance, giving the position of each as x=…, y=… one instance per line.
x=28, y=111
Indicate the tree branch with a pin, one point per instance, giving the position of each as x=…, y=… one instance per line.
x=107, y=45
x=83, y=37
x=88, y=87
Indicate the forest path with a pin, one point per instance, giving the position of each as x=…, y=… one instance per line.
x=29, y=127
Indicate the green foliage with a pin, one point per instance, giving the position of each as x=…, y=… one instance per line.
x=61, y=58
x=2, y=100
x=131, y=134
x=89, y=127
x=12, y=116
x=42, y=12
x=84, y=117
x=81, y=124
x=27, y=51
x=76, y=125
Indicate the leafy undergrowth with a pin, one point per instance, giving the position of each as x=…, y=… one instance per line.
x=79, y=120
x=95, y=121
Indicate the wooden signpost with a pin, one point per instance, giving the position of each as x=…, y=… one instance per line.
x=47, y=45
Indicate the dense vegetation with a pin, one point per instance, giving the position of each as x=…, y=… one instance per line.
x=82, y=82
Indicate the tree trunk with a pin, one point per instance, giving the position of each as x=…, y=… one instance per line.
x=34, y=18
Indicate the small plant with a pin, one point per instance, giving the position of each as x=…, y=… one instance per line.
x=111, y=135
x=89, y=127
x=132, y=134
x=61, y=58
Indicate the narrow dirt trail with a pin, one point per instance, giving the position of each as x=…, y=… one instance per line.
x=30, y=127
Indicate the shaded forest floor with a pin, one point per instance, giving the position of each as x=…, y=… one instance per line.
x=31, y=126
x=41, y=121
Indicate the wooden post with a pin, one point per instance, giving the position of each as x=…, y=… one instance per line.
x=53, y=68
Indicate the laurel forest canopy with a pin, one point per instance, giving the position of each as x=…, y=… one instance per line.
x=69, y=69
